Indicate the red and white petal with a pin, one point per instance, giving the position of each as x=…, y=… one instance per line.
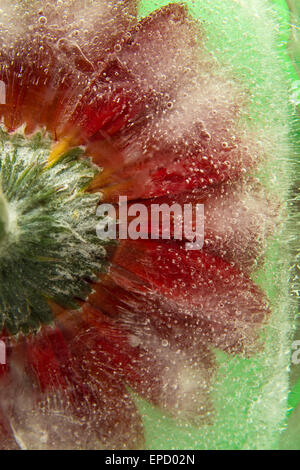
x=237, y=220
x=203, y=296
x=49, y=52
x=175, y=380
x=53, y=401
x=186, y=134
x=136, y=53
x=7, y=440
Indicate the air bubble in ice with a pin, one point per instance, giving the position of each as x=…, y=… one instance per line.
x=42, y=20
x=118, y=48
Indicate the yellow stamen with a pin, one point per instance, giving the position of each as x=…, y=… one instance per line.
x=112, y=192
x=102, y=179
x=59, y=149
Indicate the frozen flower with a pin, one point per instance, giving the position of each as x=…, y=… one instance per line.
x=100, y=104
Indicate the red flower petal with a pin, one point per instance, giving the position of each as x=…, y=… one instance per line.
x=107, y=104
x=155, y=111
x=53, y=400
x=47, y=59
x=181, y=133
x=237, y=221
x=7, y=440
x=176, y=381
x=202, y=296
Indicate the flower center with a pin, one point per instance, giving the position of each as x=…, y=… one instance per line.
x=49, y=250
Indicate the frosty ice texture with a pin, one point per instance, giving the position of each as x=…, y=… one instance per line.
x=169, y=108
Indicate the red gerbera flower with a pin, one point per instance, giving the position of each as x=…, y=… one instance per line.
x=125, y=107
